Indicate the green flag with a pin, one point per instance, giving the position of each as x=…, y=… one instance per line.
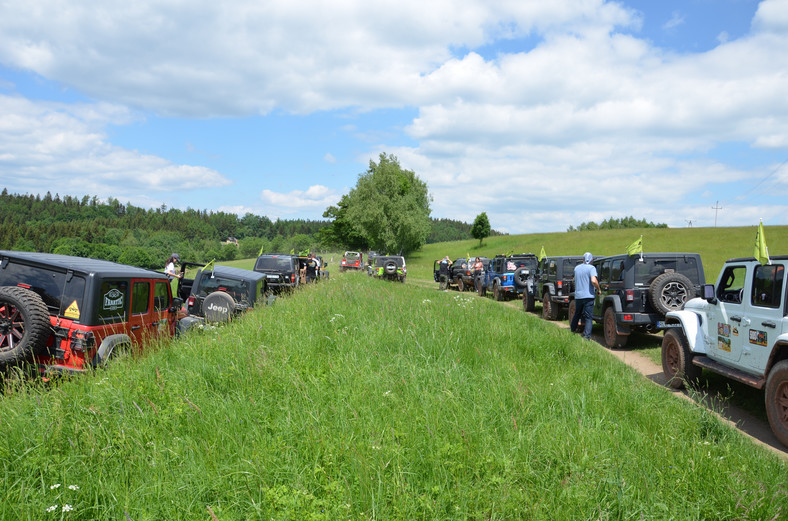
x=209, y=266
x=542, y=254
x=636, y=247
x=761, y=251
x=261, y=249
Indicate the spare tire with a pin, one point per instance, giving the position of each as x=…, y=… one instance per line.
x=670, y=291
x=218, y=307
x=24, y=324
x=390, y=267
x=521, y=276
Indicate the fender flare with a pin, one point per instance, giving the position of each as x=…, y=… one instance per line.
x=549, y=288
x=108, y=345
x=690, y=326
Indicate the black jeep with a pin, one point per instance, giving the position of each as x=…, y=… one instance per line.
x=281, y=271
x=638, y=290
x=221, y=292
x=554, y=282
x=66, y=314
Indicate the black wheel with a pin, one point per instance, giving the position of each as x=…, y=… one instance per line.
x=677, y=360
x=571, y=312
x=549, y=309
x=529, y=301
x=670, y=291
x=612, y=337
x=497, y=293
x=460, y=284
x=218, y=307
x=24, y=324
x=776, y=392
x=521, y=275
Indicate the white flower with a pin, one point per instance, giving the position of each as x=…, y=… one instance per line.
x=67, y=508
x=53, y=487
x=387, y=393
x=52, y=508
x=425, y=301
x=73, y=487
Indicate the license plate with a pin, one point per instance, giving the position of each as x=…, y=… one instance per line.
x=274, y=277
x=662, y=325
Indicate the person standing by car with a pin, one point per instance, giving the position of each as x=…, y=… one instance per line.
x=585, y=283
x=169, y=268
x=311, y=268
x=443, y=273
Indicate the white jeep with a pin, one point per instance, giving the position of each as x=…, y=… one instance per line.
x=739, y=330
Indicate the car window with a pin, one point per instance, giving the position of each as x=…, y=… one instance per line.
x=569, y=266
x=235, y=288
x=113, y=302
x=274, y=263
x=140, y=297
x=604, y=271
x=648, y=269
x=161, y=297
x=732, y=284
x=767, y=286
x=62, y=292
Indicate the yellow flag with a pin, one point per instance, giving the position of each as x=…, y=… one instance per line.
x=761, y=251
x=209, y=266
x=542, y=254
x=261, y=249
x=635, y=247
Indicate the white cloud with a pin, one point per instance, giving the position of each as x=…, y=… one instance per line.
x=676, y=20
x=63, y=148
x=316, y=197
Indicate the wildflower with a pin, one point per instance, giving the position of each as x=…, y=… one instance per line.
x=53, y=487
x=73, y=487
x=387, y=393
x=425, y=301
x=52, y=508
x=67, y=508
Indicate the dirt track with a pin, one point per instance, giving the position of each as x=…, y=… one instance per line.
x=758, y=430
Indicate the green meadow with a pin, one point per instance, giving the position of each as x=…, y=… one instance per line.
x=357, y=398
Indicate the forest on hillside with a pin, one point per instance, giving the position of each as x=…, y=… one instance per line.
x=111, y=230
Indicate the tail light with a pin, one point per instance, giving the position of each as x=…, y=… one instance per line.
x=190, y=301
x=627, y=318
x=292, y=278
x=629, y=295
x=559, y=284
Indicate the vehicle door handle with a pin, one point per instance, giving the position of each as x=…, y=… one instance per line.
x=134, y=328
x=735, y=318
x=768, y=323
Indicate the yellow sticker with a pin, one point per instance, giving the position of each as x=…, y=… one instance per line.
x=72, y=311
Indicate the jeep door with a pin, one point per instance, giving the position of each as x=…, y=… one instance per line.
x=761, y=322
x=147, y=321
x=727, y=323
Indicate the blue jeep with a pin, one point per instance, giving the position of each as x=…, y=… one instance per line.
x=510, y=276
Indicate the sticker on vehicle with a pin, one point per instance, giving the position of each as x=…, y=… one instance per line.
x=113, y=299
x=724, y=343
x=723, y=329
x=757, y=337
x=72, y=311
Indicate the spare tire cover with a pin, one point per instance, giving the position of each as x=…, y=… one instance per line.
x=218, y=307
x=390, y=267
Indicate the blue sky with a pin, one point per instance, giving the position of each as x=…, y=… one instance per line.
x=542, y=114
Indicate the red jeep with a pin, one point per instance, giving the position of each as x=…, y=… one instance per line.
x=351, y=260
x=67, y=314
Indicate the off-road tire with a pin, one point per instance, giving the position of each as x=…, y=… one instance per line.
x=776, y=392
x=529, y=301
x=670, y=291
x=519, y=279
x=496, y=289
x=390, y=268
x=612, y=336
x=24, y=324
x=223, y=307
x=677, y=360
x=549, y=309
x=460, y=284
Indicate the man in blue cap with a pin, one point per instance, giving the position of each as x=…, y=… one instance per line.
x=585, y=282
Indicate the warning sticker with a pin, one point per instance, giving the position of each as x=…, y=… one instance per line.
x=72, y=311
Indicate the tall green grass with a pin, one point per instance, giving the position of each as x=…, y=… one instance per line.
x=361, y=399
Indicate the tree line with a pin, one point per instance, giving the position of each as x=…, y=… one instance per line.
x=614, y=224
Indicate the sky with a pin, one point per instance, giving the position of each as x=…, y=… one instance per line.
x=545, y=115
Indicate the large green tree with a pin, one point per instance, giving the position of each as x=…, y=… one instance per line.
x=481, y=227
x=389, y=209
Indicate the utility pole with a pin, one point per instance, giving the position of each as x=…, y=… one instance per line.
x=716, y=209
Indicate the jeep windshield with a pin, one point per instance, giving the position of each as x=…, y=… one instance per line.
x=650, y=268
x=274, y=264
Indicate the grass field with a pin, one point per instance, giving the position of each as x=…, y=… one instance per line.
x=361, y=399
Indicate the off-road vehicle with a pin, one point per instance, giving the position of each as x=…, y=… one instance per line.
x=462, y=274
x=67, y=314
x=638, y=290
x=510, y=276
x=222, y=292
x=391, y=267
x=351, y=260
x=281, y=271
x=739, y=330
x=554, y=282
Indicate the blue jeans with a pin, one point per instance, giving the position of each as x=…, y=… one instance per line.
x=583, y=307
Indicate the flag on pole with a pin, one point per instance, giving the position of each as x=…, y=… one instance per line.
x=542, y=254
x=636, y=247
x=761, y=251
x=261, y=249
x=209, y=267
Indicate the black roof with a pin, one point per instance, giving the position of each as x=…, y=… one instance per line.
x=237, y=273
x=82, y=265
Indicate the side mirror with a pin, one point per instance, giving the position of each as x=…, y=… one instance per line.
x=707, y=293
x=177, y=302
